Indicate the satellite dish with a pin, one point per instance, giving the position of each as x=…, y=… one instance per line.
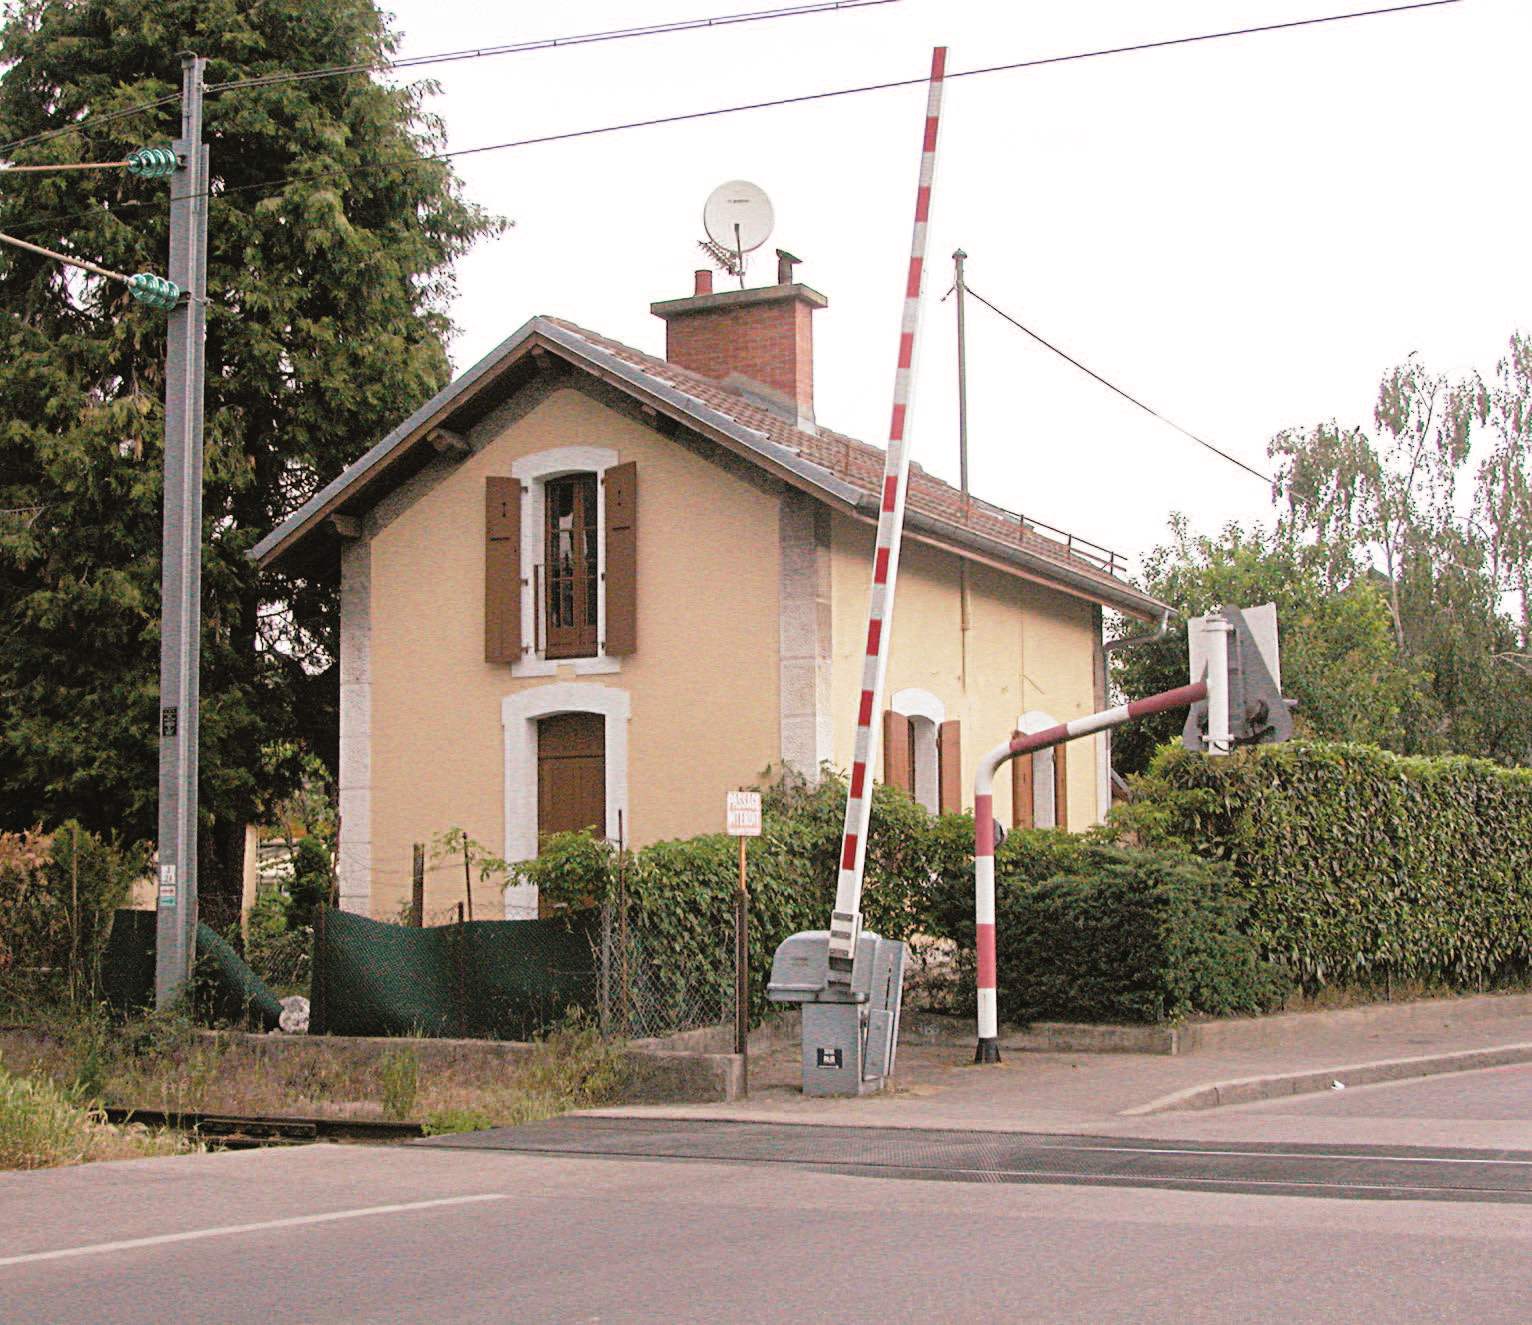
x=737, y=216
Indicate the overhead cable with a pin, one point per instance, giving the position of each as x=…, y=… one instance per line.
x=546, y=43
x=683, y=117
x=1112, y=386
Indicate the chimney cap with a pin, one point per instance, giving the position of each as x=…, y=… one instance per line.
x=768, y=294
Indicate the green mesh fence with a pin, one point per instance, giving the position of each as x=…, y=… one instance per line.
x=486, y=979
x=224, y=989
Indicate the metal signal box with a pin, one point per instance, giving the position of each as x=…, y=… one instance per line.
x=850, y=1031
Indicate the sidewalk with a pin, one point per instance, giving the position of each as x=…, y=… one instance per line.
x=1132, y=1094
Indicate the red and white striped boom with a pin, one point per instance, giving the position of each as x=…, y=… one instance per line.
x=984, y=832
x=846, y=921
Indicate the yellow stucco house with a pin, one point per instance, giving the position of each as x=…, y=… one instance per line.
x=584, y=585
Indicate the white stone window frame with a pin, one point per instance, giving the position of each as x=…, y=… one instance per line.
x=926, y=713
x=519, y=715
x=533, y=472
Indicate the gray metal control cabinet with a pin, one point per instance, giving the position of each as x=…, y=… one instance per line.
x=850, y=1031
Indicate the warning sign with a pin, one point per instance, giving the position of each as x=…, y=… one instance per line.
x=743, y=809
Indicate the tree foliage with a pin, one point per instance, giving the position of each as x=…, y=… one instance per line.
x=1339, y=657
x=1400, y=563
x=332, y=237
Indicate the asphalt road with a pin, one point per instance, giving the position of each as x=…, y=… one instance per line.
x=1497, y=1094
x=341, y=1234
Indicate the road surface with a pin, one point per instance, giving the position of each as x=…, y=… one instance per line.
x=417, y=1233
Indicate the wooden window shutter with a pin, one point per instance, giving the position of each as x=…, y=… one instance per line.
x=1060, y=787
x=502, y=569
x=949, y=764
x=1022, y=812
x=896, y=751
x=621, y=559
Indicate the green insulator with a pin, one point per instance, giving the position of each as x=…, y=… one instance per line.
x=155, y=291
x=153, y=162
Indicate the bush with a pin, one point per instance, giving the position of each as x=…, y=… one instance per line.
x=58, y=894
x=1357, y=866
x=279, y=951
x=1128, y=935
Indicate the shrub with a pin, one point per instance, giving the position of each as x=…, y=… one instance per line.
x=1127, y=935
x=58, y=893
x=278, y=950
x=1358, y=866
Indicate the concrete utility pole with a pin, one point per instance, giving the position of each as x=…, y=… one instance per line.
x=181, y=552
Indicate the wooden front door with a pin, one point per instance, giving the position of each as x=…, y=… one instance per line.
x=571, y=774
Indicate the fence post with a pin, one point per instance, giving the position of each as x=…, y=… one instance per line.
x=418, y=887
x=623, y=1007
x=460, y=958
x=318, y=994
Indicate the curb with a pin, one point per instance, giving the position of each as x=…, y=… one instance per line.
x=1249, y=1090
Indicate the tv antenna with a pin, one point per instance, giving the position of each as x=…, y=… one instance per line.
x=737, y=217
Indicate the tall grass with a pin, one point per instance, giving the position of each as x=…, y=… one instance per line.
x=42, y=1126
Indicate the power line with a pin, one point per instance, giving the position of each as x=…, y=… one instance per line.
x=1112, y=386
x=655, y=121
x=832, y=93
x=547, y=43
x=89, y=122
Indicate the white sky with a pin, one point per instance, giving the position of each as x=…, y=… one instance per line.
x=1243, y=233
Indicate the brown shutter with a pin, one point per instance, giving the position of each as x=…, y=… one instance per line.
x=621, y=559
x=1021, y=790
x=896, y=751
x=1060, y=788
x=502, y=570
x=949, y=766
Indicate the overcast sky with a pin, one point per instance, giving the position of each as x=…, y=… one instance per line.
x=1243, y=233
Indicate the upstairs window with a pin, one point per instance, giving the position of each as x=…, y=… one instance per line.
x=570, y=559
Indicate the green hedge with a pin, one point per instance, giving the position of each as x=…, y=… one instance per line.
x=681, y=893
x=1358, y=866
x=1116, y=935
x=1128, y=935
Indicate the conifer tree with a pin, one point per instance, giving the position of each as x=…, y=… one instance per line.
x=331, y=241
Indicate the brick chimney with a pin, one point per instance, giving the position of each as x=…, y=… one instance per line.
x=757, y=342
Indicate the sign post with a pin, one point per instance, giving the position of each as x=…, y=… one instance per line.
x=743, y=814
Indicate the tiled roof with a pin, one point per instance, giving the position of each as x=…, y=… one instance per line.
x=861, y=465
x=838, y=467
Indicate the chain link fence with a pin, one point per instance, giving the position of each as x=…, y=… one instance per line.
x=641, y=998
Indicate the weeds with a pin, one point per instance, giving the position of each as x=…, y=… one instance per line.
x=446, y=1122
x=399, y=1074
x=42, y=1126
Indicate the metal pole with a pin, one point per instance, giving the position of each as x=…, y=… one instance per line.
x=964, y=614
x=181, y=553
x=742, y=968
x=958, y=259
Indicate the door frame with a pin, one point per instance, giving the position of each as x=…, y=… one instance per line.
x=519, y=715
